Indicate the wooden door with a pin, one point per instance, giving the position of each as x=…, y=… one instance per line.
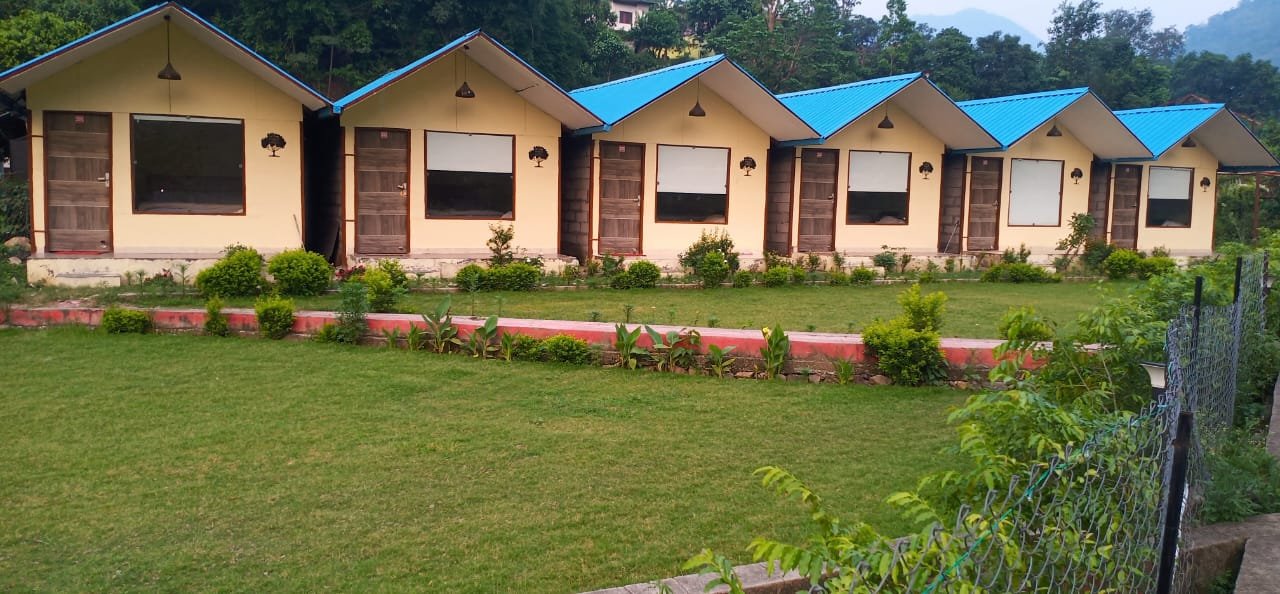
x=621, y=197
x=382, y=191
x=951, y=212
x=1124, y=214
x=778, y=192
x=1099, y=197
x=77, y=148
x=985, y=180
x=818, y=169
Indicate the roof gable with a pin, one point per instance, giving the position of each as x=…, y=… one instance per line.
x=41, y=67
x=1010, y=119
x=1161, y=127
x=1213, y=125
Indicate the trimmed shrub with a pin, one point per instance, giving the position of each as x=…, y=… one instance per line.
x=743, y=279
x=382, y=291
x=1023, y=323
x=644, y=274
x=621, y=280
x=1121, y=263
x=713, y=269
x=922, y=312
x=908, y=356
x=470, y=278
x=715, y=241
x=395, y=270
x=117, y=320
x=862, y=276
x=837, y=277
x=563, y=348
x=1156, y=266
x=886, y=260
x=1095, y=253
x=237, y=274
x=777, y=276
x=215, y=322
x=299, y=272
x=517, y=276
x=1018, y=273
x=275, y=317
x=799, y=276
x=526, y=348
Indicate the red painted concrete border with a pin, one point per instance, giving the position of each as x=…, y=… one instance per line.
x=813, y=346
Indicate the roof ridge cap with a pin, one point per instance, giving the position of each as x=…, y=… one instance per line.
x=1023, y=96
x=647, y=74
x=869, y=81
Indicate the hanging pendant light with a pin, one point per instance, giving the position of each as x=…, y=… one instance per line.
x=1189, y=143
x=697, y=111
x=886, y=123
x=464, y=91
x=168, y=72
x=1054, y=132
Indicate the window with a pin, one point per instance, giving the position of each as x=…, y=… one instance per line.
x=693, y=184
x=878, y=185
x=469, y=176
x=188, y=165
x=1169, y=197
x=624, y=17
x=1035, y=193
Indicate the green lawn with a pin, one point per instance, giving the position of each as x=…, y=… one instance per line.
x=973, y=310
x=187, y=463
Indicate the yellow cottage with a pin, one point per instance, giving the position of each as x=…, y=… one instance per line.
x=155, y=141
x=677, y=154
x=437, y=152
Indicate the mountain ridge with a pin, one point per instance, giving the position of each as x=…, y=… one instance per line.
x=976, y=23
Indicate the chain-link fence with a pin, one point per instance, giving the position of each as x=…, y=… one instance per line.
x=1112, y=515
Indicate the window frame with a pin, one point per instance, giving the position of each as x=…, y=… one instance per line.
x=849, y=180
x=657, y=166
x=1062, y=169
x=133, y=177
x=1191, y=196
x=426, y=177
x=630, y=18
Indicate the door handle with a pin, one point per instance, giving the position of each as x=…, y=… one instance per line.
x=403, y=189
x=105, y=179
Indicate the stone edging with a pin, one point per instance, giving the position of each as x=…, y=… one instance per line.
x=755, y=580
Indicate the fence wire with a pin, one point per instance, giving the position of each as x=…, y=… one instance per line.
x=1094, y=518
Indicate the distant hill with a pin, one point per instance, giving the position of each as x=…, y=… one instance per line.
x=978, y=23
x=1250, y=27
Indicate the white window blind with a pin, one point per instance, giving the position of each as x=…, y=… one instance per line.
x=878, y=172
x=1168, y=183
x=447, y=151
x=691, y=170
x=1035, y=192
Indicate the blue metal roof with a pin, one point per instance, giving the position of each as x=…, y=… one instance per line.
x=615, y=100
x=829, y=110
x=148, y=12
x=1010, y=118
x=386, y=79
x=1159, y=128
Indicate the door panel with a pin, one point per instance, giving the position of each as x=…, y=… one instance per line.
x=985, y=180
x=1099, y=197
x=818, y=169
x=951, y=215
x=1128, y=191
x=382, y=191
x=78, y=182
x=778, y=193
x=621, y=197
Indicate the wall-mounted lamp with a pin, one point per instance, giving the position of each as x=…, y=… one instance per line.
x=925, y=169
x=538, y=154
x=1189, y=143
x=464, y=91
x=747, y=164
x=273, y=142
x=886, y=123
x=168, y=72
x=1054, y=132
x=1156, y=372
x=1204, y=184
x=1076, y=174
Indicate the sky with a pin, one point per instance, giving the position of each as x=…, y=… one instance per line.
x=1035, y=15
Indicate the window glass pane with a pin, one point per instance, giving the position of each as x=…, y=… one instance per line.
x=469, y=176
x=878, y=172
x=691, y=184
x=692, y=208
x=1035, y=192
x=877, y=208
x=188, y=165
x=1170, y=184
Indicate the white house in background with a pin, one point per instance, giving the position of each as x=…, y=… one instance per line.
x=629, y=11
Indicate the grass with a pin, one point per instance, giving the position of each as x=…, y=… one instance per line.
x=973, y=310
x=142, y=463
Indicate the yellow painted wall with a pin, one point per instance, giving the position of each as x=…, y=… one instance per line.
x=1075, y=197
x=1198, y=238
x=908, y=136
x=424, y=101
x=122, y=80
x=667, y=121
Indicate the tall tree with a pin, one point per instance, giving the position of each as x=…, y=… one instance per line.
x=1080, y=53
x=951, y=61
x=803, y=51
x=1249, y=86
x=658, y=31
x=901, y=41
x=703, y=16
x=29, y=33
x=1137, y=26
x=1004, y=65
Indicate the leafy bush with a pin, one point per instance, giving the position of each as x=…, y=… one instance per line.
x=1018, y=273
x=499, y=244
x=353, y=313
x=743, y=279
x=15, y=212
x=886, y=260
x=837, y=277
x=644, y=274
x=516, y=276
x=621, y=280
x=521, y=347
x=1156, y=266
x=1024, y=324
x=922, y=312
x=1121, y=263
x=13, y=277
x=116, y=320
x=907, y=355
x=777, y=276
x=862, y=276
x=1095, y=253
x=470, y=278
x=275, y=317
x=237, y=274
x=299, y=272
x=715, y=241
x=1246, y=479
x=563, y=348
x=1019, y=257
x=383, y=293
x=215, y=322
x=799, y=276
x=395, y=270
x=713, y=269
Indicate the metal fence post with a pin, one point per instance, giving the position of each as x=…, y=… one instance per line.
x=1176, y=498
x=1235, y=297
